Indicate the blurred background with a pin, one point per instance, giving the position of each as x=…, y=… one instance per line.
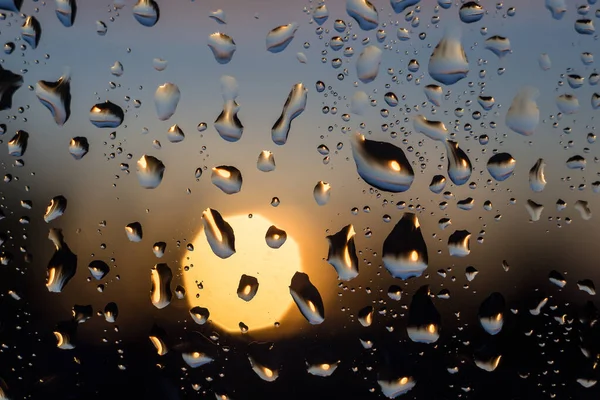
x=64, y=344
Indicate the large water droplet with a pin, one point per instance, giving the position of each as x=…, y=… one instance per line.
x=222, y=47
x=394, y=388
x=199, y=314
x=322, y=193
x=537, y=179
x=382, y=164
x=11, y=5
x=293, y=107
x=534, y=209
x=448, y=62
x=161, y=285
x=459, y=165
x=218, y=16
x=364, y=13
x=423, y=318
x=99, y=269
x=458, y=243
x=434, y=94
x=63, y=264
x=56, y=208
x=150, y=171
x=219, y=233
x=404, y=250
x=146, y=12
x=523, y=116
x=557, y=8
x=499, y=45
x=435, y=130
x=471, y=12
x=322, y=370
x=278, y=38
x=18, y=144
x=227, y=178
x=491, y=313
x=557, y=278
x=166, y=99
x=106, y=115
x=342, y=253
x=31, y=31
x=400, y=5
x=501, y=166
x=275, y=237
x=111, y=312
x=368, y=62
x=321, y=14
x=266, y=161
x=134, y=232
x=227, y=124
x=438, y=183
x=307, y=298
x=247, y=287
x=66, y=11
x=196, y=359
x=9, y=84
x=56, y=97
x=584, y=26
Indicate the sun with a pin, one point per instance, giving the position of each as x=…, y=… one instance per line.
x=220, y=278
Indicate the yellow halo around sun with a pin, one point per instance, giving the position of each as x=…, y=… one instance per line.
x=219, y=278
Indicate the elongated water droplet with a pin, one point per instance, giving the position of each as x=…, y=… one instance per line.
x=219, y=233
x=159, y=249
x=423, y=318
x=595, y=101
x=134, y=232
x=434, y=94
x=166, y=99
x=491, y=313
x=459, y=164
x=56, y=208
x=394, y=388
x=65, y=335
x=364, y=13
x=227, y=124
x=63, y=264
x=587, y=285
x=266, y=161
x=584, y=26
x=382, y=164
x=359, y=103
x=263, y=372
x=391, y=99
x=18, y=144
x=342, y=253
x=471, y=12
x=227, y=178
x=400, y=5
x=557, y=278
x=99, y=269
x=161, y=285
x=501, y=166
x=523, y=116
x=196, y=359
x=322, y=193
x=448, y=62
x=56, y=97
x=158, y=337
x=470, y=273
x=435, y=130
x=66, y=11
x=438, y=183
x=293, y=107
x=322, y=370
x=582, y=207
x=9, y=84
x=222, y=47
x=544, y=61
x=31, y=31
x=280, y=37
x=150, y=171
x=576, y=162
x=365, y=316
x=368, y=62
x=111, y=312
x=106, y=115
x=146, y=12
x=557, y=8
x=458, y=243
x=275, y=237
x=321, y=14
x=247, y=287
x=307, y=298
x=11, y=5
x=404, y=249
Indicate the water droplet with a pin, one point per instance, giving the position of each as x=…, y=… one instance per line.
x=293, y=107
x=576, y=162
x=459, y=165
x=523, y=116
x=266, y=161
x=247, y=287
x=307, y=298
x=166, y=99
x=582, y=207
x=219, y=233
x=434, y=94
x=557, y=278
x=448, y=62
x=111, y=312
x=584, y=26
x=435, y=130
x=227, y=178
x=18, y=144
x=491, y=313
x=322, y=370
x=222, y=47
x=161, y=285
x=196, y=359
x=134, y=232
x=567, y=103
x=159, y=249
x=11, y=5
x=365, y=316
x=31, y=31
x=280, y=37
x=65, y=11
x=342, y=253
x=534, y=209
x=499, y=45
x=106, y=115
x=587, y=285
x=471, y=12
x=158, y=337
x=322, y=193
x=150, y=171
x=159, y=64
x=99, y=269
x=63, y=264
x=423, y=318
x=537, y=179
x=227, y=124
x=544, y=61
x=396, y=387
x=364, y=13
x=359, y=102
x=175, y=134
x=218, y=16
x=501, y=166
x=9, y=47
x=458, y=243
x=404, y=249
x=275, y=237
x=400, y=5
x=321, y=14
x=382, y=164
x=438, y=183
x=199, y=314
x=9, y=84
x=56, y=97
x=146, y=12
x=101, y=28
x=557, y=8
x=56, y=208
x=64, y=334
x=595, y=101
x=368, y=62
